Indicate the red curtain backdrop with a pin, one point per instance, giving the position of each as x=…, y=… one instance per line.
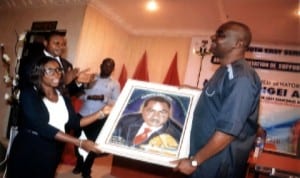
x=141, y=71
x=123, y=77
x=172, y=77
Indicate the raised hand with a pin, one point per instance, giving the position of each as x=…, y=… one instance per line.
x=70, y=75
x=84, y=76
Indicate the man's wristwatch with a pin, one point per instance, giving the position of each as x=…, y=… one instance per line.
x=194, y=162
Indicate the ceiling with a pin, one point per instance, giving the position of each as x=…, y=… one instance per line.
x=271, y=21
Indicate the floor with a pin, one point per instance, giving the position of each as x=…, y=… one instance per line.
x=101, y=169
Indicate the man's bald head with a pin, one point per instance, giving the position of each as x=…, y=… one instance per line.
x=244, y=31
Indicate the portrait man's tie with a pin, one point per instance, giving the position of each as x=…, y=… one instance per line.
x=142, y=136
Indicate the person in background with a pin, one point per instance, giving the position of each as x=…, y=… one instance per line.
x=54, y=46
x=154, y=122
x=296, y=137
x=103, y=91
x=46, y=118
x=225, y=118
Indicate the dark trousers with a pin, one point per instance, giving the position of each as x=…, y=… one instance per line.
x=91, y=131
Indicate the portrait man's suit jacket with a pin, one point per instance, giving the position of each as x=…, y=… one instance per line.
x=130, y=124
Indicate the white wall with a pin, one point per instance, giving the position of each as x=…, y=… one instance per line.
x=92, y=37
x=20, y=20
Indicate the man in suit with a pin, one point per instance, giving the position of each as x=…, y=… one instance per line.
x=153, y=124
x=54, y=46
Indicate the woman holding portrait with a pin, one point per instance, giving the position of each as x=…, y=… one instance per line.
x=46, y=117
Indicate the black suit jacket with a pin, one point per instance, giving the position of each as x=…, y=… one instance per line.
x=130, y=124
x=35, y=116
x=35, y=145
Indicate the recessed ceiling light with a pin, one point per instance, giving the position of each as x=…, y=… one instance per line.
x=152, y=5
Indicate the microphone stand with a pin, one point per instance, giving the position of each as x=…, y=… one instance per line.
x=202, y=52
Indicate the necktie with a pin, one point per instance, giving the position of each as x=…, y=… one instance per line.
x=142, y=136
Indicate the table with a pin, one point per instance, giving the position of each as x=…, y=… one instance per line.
x=275, y=164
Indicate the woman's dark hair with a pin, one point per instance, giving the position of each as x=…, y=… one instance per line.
x=38, y=71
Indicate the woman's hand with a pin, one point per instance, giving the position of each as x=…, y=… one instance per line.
x=102, y=113
x=89, y=145
x=106, y=109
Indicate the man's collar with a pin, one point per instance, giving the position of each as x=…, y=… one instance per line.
x=50, y=55
x=153, y=129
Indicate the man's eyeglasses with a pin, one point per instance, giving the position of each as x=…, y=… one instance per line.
x=51, y=71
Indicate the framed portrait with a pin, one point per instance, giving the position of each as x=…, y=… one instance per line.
x=150, y=122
